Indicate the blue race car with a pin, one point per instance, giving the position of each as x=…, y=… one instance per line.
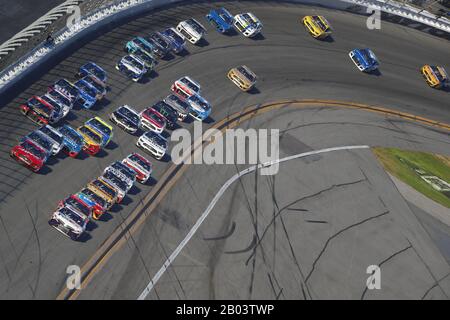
x=221, y=19
x=176, y=39
x=88, y=94
x=94, y=70
x=364, y=59
x=72, y=140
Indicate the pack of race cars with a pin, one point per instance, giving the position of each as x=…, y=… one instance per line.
x=185, y=100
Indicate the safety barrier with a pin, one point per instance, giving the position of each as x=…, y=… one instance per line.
x=100, y=14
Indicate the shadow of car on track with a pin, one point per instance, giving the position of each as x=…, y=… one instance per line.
x=376, y=73
x=254, y=90
x=328, y=39
x=126, y=201
x=258, y=37
x=107, y=216
x=91, y=226
x=112, y=145
x=183, y=53
x=151, y=182
x=85, y=237
x=209, y=120
x=166, y=158
x=101, y=154
x=45, y=170
x=202, y=43
x=134, y=190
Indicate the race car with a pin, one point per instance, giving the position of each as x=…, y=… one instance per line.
x=73, y=142
x=39, y=140
x=123, y=172
x=162, y=44
x=61, y=100
x=109, y=192
x=67, y=89
x=179, y=105
x=200, y=109
x=435, y=76
x=176, y=39
x=56, y=138
x=102, y=128
x=192, y=30
x=92, y=140
x=126, y=118
x=153, y=143
x=364, y=59
x=95, y=209
x=38, y=111
x=247, y=24
x=69, y=222
x=117, y=183
x=243, y=77
x=152, y=120
x=88, y=94
x=99, y=88
x=101, y=205
x=143, y=44
x=170, y=116
x=317, y=26
x=76, y=203
x=186, y=87
x=149, y=60
x=140, y=165
x=94, y=70
x=132, y=66
x=221, y=19
x=30, y=155
x=60, y=110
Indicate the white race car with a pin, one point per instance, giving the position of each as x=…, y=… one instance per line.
x=140, y=165
x=192, y=30
x=69, y=221
x=186, y=87
x=247, y=24
x=132, y=66
x=153, y=143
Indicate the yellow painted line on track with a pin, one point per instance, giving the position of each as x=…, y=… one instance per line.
x=140, y=214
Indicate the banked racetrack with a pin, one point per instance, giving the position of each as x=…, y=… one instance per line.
x=248, y=247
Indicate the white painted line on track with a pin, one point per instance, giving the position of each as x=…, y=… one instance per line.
x=216, y=198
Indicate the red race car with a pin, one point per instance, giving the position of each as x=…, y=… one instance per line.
x=30, y=155
x=37, y=110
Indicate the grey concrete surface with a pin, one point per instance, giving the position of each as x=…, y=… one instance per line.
x=290, y=64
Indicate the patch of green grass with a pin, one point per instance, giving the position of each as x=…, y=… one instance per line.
x=437, y=165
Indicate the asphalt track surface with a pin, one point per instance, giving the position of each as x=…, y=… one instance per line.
x=291, y=65
x=19, y=14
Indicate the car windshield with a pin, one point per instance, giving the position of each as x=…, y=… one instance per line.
x=190, y=84
x=225, y=15
x=83, y=85
x=104, y=187
x=115, y=179
x=96, y=71
x=141, y=162
x=247, y=74
x=51, y=134
x=59, y=97
x=200, y=102
x=159, y=40
x=30, y=147
x=144, y=57
x=153, y=116
x=195, y=25
x=157, y=138
x=124, y=169
x=77, y=205
x=176, y=99
x=368, y=56
x=95, y=197
x=94, y=83
x=319, y=23
x=35, y=103
x=71, y=134
x=92, y=135
x=40, y=140
x=129, y=114
x=72, y=216
x=51, y=102
x=249, y=20
x=100, y=126
x=174, y=35
x=144, y=44
x=135, y=63
x=66, y=88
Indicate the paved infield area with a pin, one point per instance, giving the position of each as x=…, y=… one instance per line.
x=291, y=65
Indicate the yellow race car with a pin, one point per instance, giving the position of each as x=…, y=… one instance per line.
x=435, y=76
x=317, y=26
x=243, y=77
